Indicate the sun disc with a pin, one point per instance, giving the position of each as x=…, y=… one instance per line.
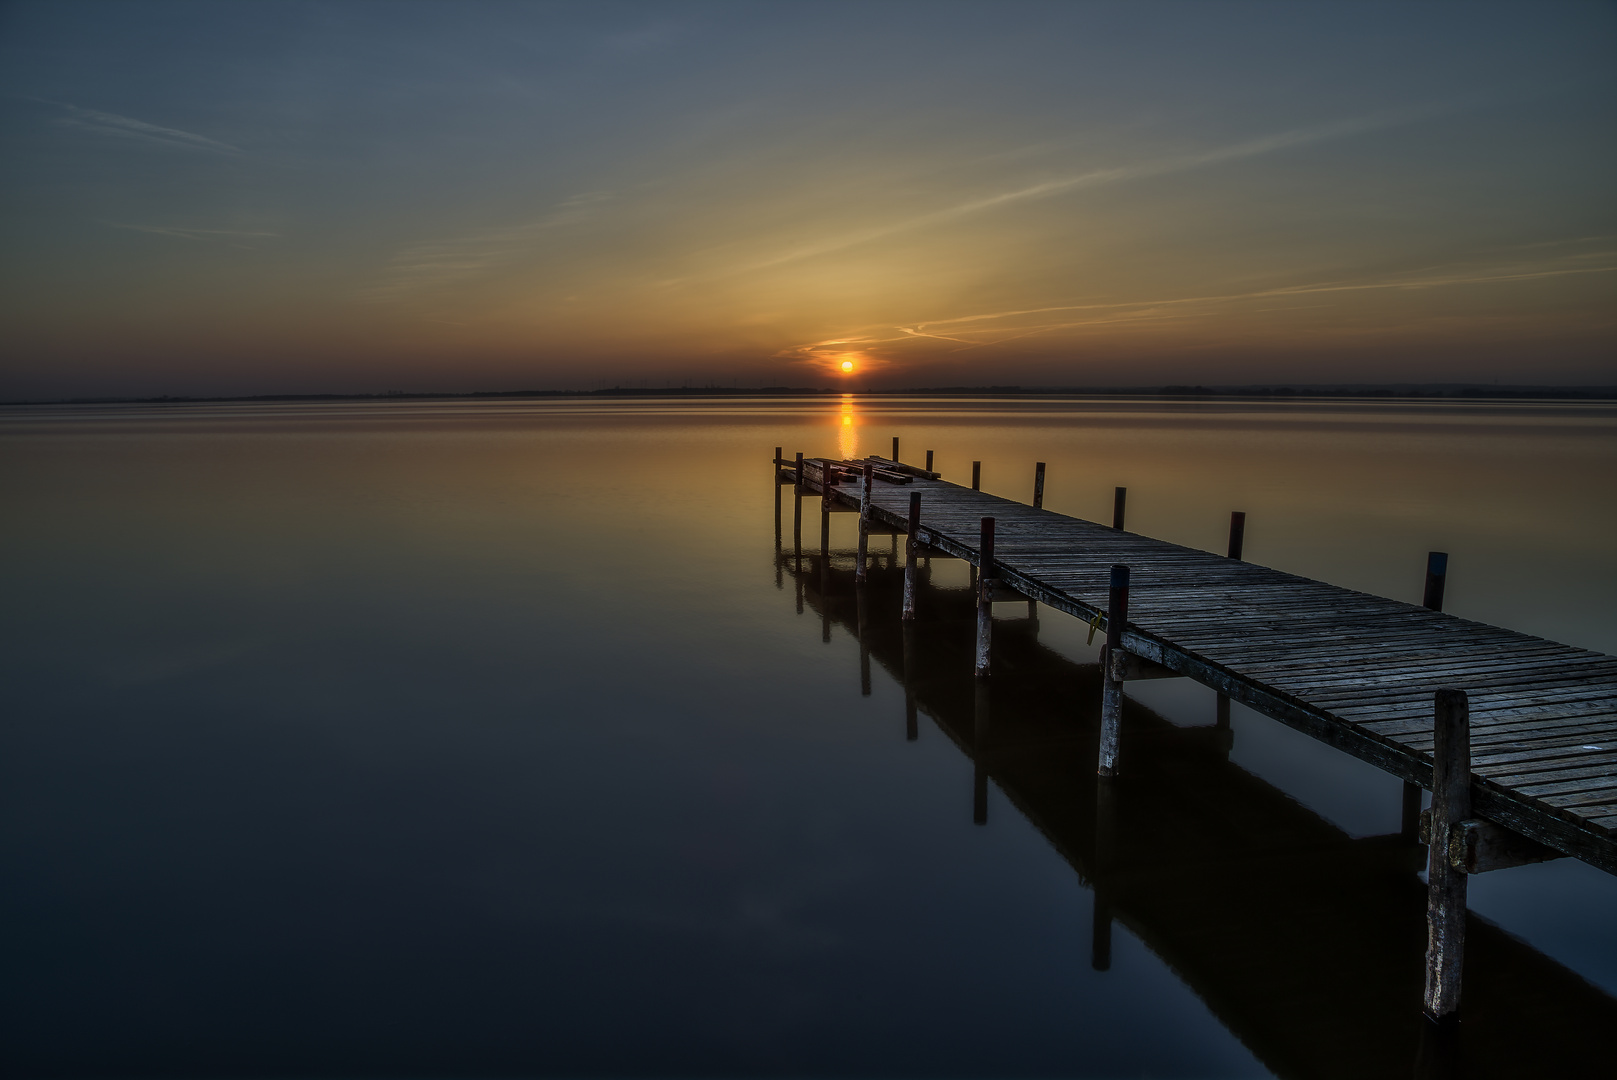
x=847, y=365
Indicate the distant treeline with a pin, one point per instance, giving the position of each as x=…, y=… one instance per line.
x=1412, y=390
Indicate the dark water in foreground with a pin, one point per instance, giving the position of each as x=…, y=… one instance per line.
x=504, y=739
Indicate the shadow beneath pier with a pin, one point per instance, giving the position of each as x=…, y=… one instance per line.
x=1306, y=943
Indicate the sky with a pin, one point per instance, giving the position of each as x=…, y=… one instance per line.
x=355, y=197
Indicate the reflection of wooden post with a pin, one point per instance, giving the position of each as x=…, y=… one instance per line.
x=862, y=606
x=1445, y=885
x=912, y=726
x=1111, y=702
x=827, y=482
x=985, y=592
x=860, y=572
x=797, y=512
x=1119, y=497
x=1100, y=954
x=979, y=740
x=776, y=470
x=912, y=549
x=1038, y=485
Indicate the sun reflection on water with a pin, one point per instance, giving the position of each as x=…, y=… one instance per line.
x=848, y=429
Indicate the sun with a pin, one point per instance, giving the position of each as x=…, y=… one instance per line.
x=847, y=365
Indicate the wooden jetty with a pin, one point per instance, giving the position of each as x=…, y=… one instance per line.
x=1302, y=940
x=1515, y=736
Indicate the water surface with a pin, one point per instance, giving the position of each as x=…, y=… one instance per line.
x=505, y=738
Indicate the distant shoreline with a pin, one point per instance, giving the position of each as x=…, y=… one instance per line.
x=1406, y=391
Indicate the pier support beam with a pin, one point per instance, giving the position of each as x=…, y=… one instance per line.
x=1119, y=499
x=1111, y=702
x=912, y=553
x=1038, y=485
x=985, y=597
x=976, y=476
x=828, y=480
x=1445, y=883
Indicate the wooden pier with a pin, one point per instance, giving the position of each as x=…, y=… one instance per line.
x=1304, y=941
x=1523, y=731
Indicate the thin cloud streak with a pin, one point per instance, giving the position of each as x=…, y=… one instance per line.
x=956, y=328
x=1250, y=148
x=435, y=263
x=192, y=234
x=127, y=127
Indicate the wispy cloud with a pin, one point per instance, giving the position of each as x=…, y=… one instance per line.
x=1250, y=148
x=984, y=329
x=193, y=234
x=127, y=127
x=430, y=264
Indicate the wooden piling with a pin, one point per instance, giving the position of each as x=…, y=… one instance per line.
x=828, y=480
x=1437, y=569
x=1111, y=702
x=985, y=592
x=797, y=512
x=1445, y=889
x=929, y=461
x=861, y=572
x=912, y=551
x=1038, y=485
x=895, y=447
x=1119, y=497
x=1237, y=533
x=976, y=476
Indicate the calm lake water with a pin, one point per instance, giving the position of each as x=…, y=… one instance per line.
x=504, y=738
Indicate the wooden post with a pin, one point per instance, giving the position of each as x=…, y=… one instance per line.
x=895, y=447
x=985, y=590
x=860, y=572
x=1237, y=532
x=1038, y=485
x=976, y=476
x=929, y=461
x=1437, y=565
x=1409, y=814
x=1118, y=498
x=1437, y=569
x=912, y=551
x=1111, y=702
x=1445, y=885
x=797, y=512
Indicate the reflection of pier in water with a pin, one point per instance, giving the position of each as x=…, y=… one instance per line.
x=1304, y=941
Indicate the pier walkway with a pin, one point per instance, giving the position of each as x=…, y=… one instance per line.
x=1358, y=672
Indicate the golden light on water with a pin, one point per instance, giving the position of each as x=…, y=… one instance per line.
x=848, y=430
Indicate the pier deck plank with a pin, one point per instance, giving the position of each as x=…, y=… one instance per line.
x=1356, y=671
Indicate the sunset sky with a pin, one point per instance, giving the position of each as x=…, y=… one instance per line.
x=285, y=197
